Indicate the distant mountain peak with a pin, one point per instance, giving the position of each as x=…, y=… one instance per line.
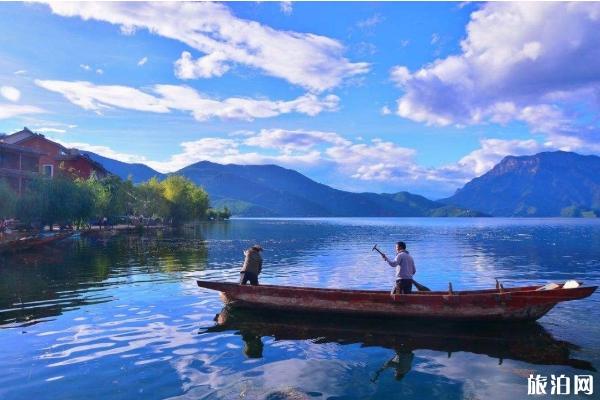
x=548, y=184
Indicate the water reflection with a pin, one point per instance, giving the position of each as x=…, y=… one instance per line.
x=125, y=309
x=529, y=342
x=48, y=281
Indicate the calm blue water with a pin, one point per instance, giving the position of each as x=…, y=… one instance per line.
x=120, y=316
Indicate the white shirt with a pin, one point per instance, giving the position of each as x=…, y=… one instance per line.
x=405, y=265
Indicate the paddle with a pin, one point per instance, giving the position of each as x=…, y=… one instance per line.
x=420, y=288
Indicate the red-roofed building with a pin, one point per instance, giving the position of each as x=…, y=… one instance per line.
x=55, y=158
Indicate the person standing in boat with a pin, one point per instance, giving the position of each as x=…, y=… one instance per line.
x=405, y=269
x=252, y=265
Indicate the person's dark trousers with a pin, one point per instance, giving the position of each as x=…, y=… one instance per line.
x=247, y=276
x=404, y=286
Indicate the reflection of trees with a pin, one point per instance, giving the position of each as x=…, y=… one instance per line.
x=529, y=342
x=73, y=273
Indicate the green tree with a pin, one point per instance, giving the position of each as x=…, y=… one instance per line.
x=59, y=200
x=84, y=206
x=150, y=200
x=225, y=214
x=186, y=201
x=8, y=200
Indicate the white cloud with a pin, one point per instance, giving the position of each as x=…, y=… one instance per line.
x=21, y=72
x=203, y=108
x=370, y=22
x=308, y=60
x=293, y=140
x=142, y=61
x=435, y=38
x=400, y=75
x=214, y=64
x=385, y=110
x=87, y=67
x=15, y=110
x=10, y=93
x=183, y=98
x=375, y=161
x=97, y=98
x=286, y=7
x=45, y=129
x=527, y=62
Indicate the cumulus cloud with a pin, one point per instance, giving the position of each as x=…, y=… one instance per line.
x=15, y=110
x=526, y=62
x=142, y=61
x=308, y=60
x=10, y=93
x=375, y=161
x=214, y=64
x=165, y=98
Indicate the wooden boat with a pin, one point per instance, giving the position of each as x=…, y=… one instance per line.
x=526, y=303
x=27, y=243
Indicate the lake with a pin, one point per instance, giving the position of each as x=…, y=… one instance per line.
x=119, y=316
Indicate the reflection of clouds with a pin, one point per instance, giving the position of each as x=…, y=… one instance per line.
x=481, y=376
x=330, y=378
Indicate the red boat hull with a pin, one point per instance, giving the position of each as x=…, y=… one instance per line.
x=515, y=304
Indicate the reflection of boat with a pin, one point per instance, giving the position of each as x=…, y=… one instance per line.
x=529, y=343
x=31, y=242
x=514, y=304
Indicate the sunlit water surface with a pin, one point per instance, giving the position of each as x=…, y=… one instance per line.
x=120, y=316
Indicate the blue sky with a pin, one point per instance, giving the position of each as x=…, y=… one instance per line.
x=361, y=96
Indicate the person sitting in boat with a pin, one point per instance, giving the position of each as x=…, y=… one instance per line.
x=405, y=269
x=252, y=265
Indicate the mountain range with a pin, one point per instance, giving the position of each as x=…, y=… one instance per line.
x=549, y=184
x=273, y=191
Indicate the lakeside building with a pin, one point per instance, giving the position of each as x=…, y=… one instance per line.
x=54, y=157
x=18, y=165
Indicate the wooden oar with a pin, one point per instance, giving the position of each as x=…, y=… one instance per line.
x=420, y=288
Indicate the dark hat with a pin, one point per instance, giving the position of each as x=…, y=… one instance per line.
x=257, y=247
